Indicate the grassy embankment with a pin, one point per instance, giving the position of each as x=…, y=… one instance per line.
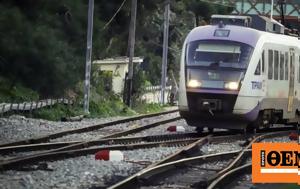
x=99, y=107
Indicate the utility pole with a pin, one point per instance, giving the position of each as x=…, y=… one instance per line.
x=165, y=51
x=89, y=44
x=272, y=6
x=282, y=2
x=131, y=42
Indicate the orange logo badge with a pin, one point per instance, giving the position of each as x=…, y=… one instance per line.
x=276, y=163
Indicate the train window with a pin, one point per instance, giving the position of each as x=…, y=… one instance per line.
x=218, y=53
x=263, y=62
x=257, y=70
x=276, y=66
x=270, y=69
x=281, y=66
x=286, y=68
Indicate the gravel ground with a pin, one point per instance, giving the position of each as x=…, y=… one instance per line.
x=215, y=165
x=222, y=147
x=162, y=129
x=15, y=127
x=93, y=135
x=83, y=172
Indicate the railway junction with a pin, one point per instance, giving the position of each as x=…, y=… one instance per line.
x=137, y=152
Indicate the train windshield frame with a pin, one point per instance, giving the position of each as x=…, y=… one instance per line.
x=218, y=53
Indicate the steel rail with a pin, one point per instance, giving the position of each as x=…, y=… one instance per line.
x=106, y=141
x=46, y=138
x=240, y=157
x=51, y=156
x=145, y=176
x=86, y=144
x=229, y=176
x=132, y=181
x=148, y=174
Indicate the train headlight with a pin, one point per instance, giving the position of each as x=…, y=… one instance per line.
x=231, y=85
x=193, y=83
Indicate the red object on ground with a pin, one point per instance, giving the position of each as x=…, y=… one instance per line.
x=102, y=155
x=172, y=129
x=109, y=155
x=176, y=129
x=293, y=136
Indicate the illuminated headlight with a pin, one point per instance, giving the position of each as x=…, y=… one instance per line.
x=194, y=83
x=231, y=85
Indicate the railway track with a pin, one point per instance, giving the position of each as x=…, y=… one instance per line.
x=18, y=163
x=46, y=138
x=64, y=146
x=105, y=141
x=68, y=146
x=194, y=170
x=189, y=143
x=126, y=143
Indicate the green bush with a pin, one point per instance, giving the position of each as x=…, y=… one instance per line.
x=111, y=107
x=144, y=108
x=10, y=92
x=58, y=111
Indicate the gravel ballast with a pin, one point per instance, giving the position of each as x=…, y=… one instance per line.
x=16, y=128
x=97, y=134
x=222, y=147
x=84, y=171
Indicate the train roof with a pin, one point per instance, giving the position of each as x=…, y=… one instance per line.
x=241, y=34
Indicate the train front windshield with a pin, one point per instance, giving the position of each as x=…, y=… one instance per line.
x=218, y=53
x=216, y=64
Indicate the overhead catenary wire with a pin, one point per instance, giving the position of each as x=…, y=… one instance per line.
x=112, y=18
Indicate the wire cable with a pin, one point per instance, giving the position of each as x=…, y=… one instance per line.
x=112, y=18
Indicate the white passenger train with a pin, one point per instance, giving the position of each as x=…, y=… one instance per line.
x=236, y=73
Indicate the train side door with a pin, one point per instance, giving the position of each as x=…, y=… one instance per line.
x=292, y=80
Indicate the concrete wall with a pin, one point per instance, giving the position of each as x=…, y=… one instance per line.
x=119, y=71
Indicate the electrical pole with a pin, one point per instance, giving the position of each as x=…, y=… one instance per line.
x=272, y=6
x=131, y=43
x=89, y=44
x=282, y=2
x=165, y=51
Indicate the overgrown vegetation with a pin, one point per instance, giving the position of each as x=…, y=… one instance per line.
x=16, y=92
x=42, y=46
x=57, y=112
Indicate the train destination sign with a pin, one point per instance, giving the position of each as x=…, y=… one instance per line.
x=221, y=33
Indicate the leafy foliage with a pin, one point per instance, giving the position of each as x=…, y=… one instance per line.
x=43, y=43
x=16, y=93
x=57, y=112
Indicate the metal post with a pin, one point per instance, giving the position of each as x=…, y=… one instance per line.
x=131, y=43
x=88, y=57
x=282, y=2
x=165, y=51
x=272, y=5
